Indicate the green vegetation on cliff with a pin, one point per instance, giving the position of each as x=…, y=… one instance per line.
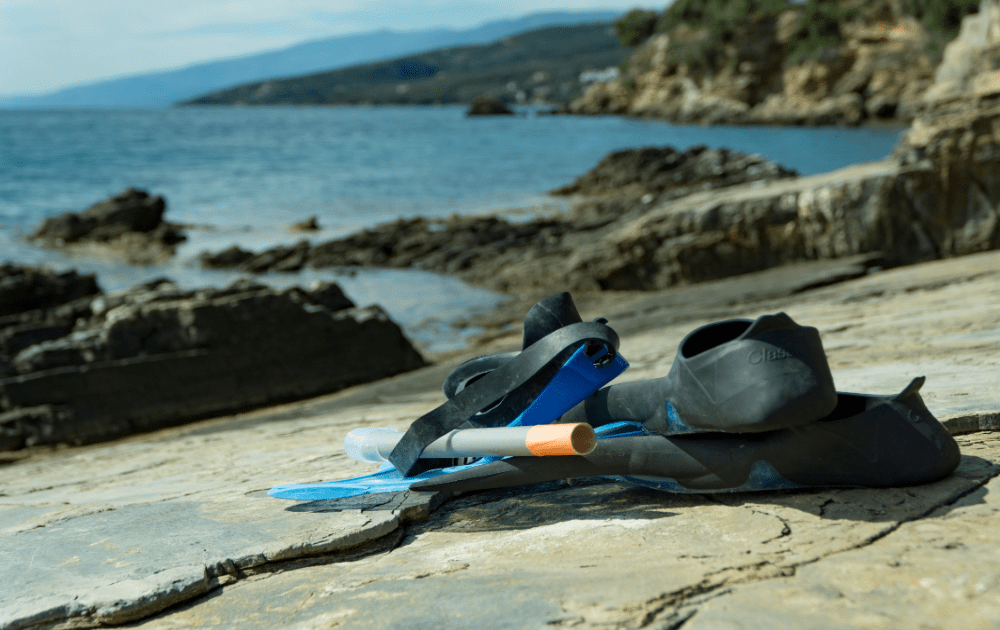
x=819, y=25
x=778, y=62
x=941, y=18
x=542, y=65
x=720, y=17
x=636, y=26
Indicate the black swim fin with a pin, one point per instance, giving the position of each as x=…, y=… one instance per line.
x=868, y=441
x=736, y=376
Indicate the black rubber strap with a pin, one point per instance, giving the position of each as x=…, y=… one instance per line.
x=542, y=359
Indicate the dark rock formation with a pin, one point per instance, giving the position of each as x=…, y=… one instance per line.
x=308, y=225
x=31, y=288
x=131, y=222
x=665, y=173
x=155, y=356
x=226, y=259
x=486, y=106
x=449, y=246
x=276, y=259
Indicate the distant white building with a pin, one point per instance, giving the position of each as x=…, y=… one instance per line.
x=600, y=76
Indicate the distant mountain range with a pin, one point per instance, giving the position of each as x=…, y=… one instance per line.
x=160, y=89
x=542, y=65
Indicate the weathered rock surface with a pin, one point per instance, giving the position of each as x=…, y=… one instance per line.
x=967, y=70
x=486, y=106
x=872, y=64
x=117, y=533
x=129, y=223
x=112, y=365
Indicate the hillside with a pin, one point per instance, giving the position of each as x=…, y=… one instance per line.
x=541, y=65
x=779, y=62
x=161, y=88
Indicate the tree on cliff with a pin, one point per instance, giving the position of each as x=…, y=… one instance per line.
x=635, y=27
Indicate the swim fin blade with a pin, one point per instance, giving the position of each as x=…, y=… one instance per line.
x=867, y=441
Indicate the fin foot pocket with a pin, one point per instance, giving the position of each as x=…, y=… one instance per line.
x=734, y=376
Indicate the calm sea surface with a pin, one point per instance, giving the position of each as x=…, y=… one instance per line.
x=247, y=173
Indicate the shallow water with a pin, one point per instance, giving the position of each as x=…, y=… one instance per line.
x=247, y=173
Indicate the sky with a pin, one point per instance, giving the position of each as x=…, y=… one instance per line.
x=49, y=44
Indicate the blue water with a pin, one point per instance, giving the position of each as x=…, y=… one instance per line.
x=246, y=173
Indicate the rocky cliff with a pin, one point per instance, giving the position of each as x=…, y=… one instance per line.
x=843, y=62
x=938, y=197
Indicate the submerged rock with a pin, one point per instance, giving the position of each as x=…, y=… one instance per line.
x=486, y=106
x=308, y=225
x=130, y=222
x=664, y=172
x=157, y=356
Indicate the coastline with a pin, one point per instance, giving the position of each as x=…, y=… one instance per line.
x=250, y=202
x=896, y=263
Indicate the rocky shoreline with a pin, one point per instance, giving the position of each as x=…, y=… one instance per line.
x=645, y=219
x=499, y=253
x=899, y=211
x=655, y=218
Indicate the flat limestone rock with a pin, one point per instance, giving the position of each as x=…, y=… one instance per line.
x=124, y=564
x=118, y=532
x=122, y=532
x=941, y=571
x=590, y=556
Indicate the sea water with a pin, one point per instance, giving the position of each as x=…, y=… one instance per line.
x=242, y=175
